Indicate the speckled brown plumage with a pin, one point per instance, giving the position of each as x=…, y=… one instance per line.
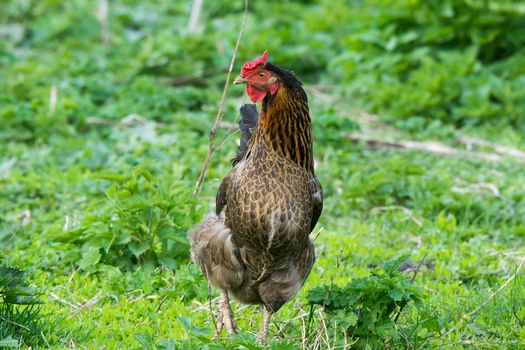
x=257, y=247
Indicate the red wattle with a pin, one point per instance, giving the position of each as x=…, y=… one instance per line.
x=255, y=94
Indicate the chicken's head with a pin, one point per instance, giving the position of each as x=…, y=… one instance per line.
x=259, y=81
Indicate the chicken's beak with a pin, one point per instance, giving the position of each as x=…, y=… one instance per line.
x=241, y=79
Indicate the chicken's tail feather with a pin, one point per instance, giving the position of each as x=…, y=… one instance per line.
x=213, y=250
x=249, y=117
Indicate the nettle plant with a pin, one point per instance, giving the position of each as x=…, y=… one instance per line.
x=21, y=322
x=365, y=311
x=143, y=219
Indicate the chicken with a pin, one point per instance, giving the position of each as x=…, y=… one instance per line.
x=256, y=247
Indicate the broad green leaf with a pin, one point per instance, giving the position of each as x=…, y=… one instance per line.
x=431, y=324
x=345, y=319
x=168, y=262
x=90, y=257
x=111, y=176
x=138, y=248
x=9, y=342
x=396, y=294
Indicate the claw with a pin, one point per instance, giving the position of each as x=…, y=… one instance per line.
x=261, y=337
x=225, y=316
x=219, y=325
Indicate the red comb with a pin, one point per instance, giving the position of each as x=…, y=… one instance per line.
x=250, y=65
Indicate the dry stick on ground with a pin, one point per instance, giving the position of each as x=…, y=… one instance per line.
x=56, y=297
x=218, y=118
x=501, y=150
x=503, y=286
x=465, y=317
x=87, y=305
x=303, y=331
x=327, y=337
x=428, y=146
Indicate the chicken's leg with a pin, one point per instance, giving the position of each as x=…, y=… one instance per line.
x=261, y=337
x=225, y=315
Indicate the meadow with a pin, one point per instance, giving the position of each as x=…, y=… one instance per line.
x=418, y=111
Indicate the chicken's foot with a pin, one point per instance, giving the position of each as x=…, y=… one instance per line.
x=261, y=337
x=225, y=316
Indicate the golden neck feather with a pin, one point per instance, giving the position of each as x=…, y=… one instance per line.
x=284, y=125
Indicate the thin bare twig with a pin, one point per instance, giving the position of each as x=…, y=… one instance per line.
x=210, y=309
x=502, y=150
x=225, y=139
x=232, y=131
x=87, y=305
x=503, y=286
x=281, y=325
x=477, y=188
x=64, y=301
x=325, y=330
x=427, y=146
x=218, y=118
x=303, y=331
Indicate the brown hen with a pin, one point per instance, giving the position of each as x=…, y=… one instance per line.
x=256, y=247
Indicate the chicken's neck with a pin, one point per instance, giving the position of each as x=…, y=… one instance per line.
x=284, y=125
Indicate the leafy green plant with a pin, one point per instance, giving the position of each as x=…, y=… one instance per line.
x=367, y=308
x=142, y=220
x=416, y=62
x=21, y=321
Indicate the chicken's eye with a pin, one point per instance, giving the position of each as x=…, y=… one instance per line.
x=262, y=74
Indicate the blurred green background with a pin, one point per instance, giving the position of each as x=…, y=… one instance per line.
x=418, y=63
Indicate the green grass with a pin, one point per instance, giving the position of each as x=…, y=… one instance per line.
x=75, y=190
